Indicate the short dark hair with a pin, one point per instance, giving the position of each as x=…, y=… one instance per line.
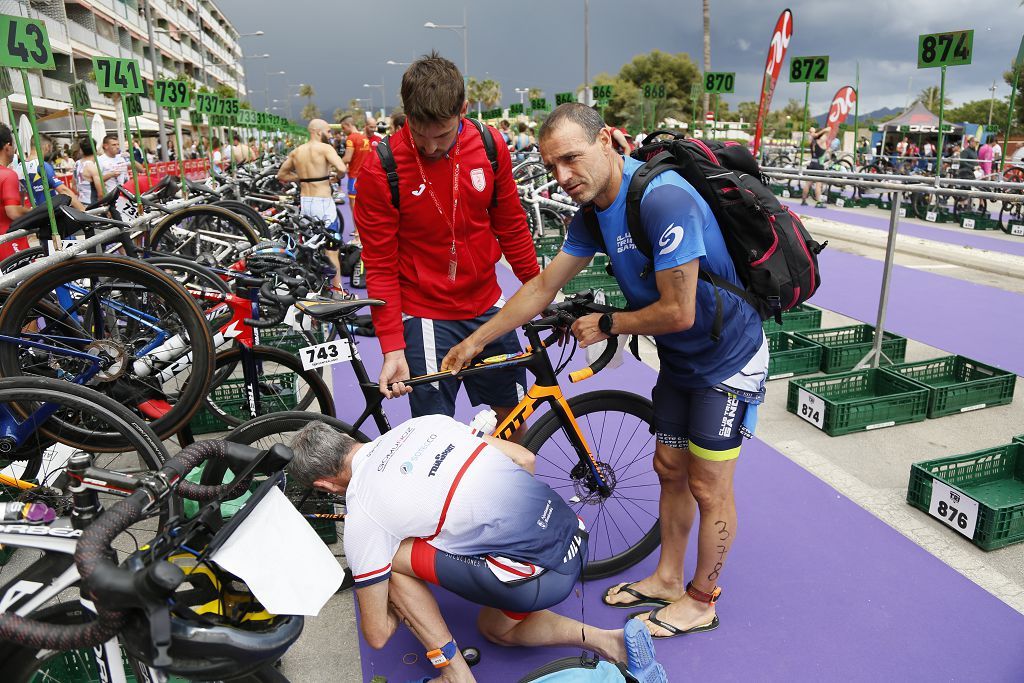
x=6, y=138
x=398, y=121
x=432, y=89
x=108, y=137
x=580, y=114
x=236, y=138
x=85, y=144
x=349, y=120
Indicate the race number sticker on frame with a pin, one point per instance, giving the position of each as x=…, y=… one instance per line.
x=810, y=408
x=328, y=353
x=956, y=510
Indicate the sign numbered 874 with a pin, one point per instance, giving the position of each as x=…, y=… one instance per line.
x=954, y=48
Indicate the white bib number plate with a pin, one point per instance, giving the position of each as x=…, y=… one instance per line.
x=902, y=213
x=1017, y=229
x=969, y=223
x=840, y=202
x=328, y=353
x=931, y=216
x=811, y=408
x=785, y=193
x=955, y=509
x=126, y=208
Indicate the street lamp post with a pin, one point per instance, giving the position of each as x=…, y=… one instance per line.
x=522, y=93
x=266, y=83
x=161, y=135
x=464, y=30
x=392, y=62
x=383, y=102
x=586, y=52
x=245, y=72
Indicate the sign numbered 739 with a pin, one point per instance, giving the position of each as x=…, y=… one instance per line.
x=24, y=43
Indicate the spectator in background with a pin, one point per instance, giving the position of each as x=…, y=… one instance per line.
x=523, y=142
x=968, y=159
x=506, y=131
x=34, y=184
x=218, y=158
x=985, y=156
x=397, y=121
x=997, y=150
x=10, y=194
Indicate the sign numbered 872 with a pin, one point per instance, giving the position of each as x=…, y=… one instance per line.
x=945, y=49
x=808, y=69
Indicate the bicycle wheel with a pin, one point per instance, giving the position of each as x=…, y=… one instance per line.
x=624, y=527
x=73, y=410
x=283, y=385
x=207, y=234
x=21, y=258
x=248, y=213
x=28, y=665
x=153, y=341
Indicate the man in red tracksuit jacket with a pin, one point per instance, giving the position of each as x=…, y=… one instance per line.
x=433, y=259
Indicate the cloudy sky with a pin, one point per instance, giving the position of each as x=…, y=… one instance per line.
x=339, y=46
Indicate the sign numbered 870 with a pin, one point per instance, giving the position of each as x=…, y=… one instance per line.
x=720, y=82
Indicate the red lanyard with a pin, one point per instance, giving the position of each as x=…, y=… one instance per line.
x=453, y=261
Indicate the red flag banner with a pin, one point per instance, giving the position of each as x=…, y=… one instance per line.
x=772, y=67
x=842, y=105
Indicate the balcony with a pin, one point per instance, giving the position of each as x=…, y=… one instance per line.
x=53, y=89
x=82, y=34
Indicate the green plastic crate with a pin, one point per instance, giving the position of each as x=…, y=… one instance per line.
x=1019, y=438
x=581, y=283
x=613, y=297
x=958, y=385
x=317, y=503
x=802, y=317
x=287, y=339
x=993, y=477
x=844, y=347
x=230, y=397
x=549, y=241
x=857, y=401
x=790, y=355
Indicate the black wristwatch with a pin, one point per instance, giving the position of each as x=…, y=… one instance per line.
x=604, y=323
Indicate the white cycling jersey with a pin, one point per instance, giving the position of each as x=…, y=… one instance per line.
x=435, y=478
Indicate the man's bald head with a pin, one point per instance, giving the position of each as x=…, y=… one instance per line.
x=318, y=130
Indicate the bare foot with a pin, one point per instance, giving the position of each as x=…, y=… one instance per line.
x=684, y=614
x=651, y=586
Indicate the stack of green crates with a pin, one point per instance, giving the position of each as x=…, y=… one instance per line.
x=1019, y=438
x=548, y=245
x=789, y=355
x=230, y=397
x=844, y=347
x=287, y=339
x=857, y=401
x=802, y=317
x=992, y=480
x=958, y=385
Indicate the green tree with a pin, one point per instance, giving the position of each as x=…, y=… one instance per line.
x=929, y=97
x=676, y=71
x=534, y=92
x=1018, y=106
x=978, y=112
x=310, y=112
x=490, y=93
x=339, y=114
x=474, y=92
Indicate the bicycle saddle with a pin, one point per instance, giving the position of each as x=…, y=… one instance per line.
x=38, y=218
x=331, y=311
x=105, y=199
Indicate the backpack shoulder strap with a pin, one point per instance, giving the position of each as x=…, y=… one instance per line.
x=664, y=161
x=492, y=154
x=593, y=225
x=387, y=162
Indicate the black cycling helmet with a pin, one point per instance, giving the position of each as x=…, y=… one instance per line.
x=218, y=628
x=270, y=256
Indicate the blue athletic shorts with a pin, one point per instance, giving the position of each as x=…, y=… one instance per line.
x=351, y=186
x=427, y=342
x=706, y=421
x=470, y=578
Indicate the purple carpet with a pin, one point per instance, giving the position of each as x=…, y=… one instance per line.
x=958, y=236
x=816, y=588
x=973, y=320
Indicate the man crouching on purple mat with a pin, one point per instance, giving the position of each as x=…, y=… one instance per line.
x=435, y=501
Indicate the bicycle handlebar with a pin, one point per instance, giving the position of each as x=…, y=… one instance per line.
x=114, y=589
x=283, y=301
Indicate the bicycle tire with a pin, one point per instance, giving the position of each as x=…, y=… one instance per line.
x=24, y=304
x=21, y=258
x=24, y=393
x=24, y=665
x=164, y=240
x=556, y=462
x=316, y=387
x=248, y=213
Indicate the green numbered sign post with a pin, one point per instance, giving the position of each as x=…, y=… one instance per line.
x=27, y=46
x=564, y=98
x=172, y=94
x=230, y=108
x=80, y=102
x=207, y=105
x=719, y=82
x=807, y=70
x=603, y=93
x=538, y=103
x=6, y=90
x=118, y=75
x=134, y=107
x=953, y=48
x=654, y=91
x=515, y=109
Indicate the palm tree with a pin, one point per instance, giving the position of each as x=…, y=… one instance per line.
x=534, y=92
x=473, y=93
x=707, y=47
x=929, y=97
x=310, y=112
x=490, y=92
x=339, y=114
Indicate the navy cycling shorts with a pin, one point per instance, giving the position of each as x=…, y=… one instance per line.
x=427, y=342
x=705, y=421
x=469, y=578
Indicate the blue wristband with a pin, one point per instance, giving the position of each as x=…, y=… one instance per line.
x=443, y=656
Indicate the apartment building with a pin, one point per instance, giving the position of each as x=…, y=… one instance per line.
x=192, y=37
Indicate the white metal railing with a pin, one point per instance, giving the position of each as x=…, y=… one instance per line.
x=82, y=34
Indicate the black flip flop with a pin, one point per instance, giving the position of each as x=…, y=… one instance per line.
x=641, y=599
x=652, y=617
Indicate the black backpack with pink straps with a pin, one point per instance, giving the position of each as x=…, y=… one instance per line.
x=775, y=257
